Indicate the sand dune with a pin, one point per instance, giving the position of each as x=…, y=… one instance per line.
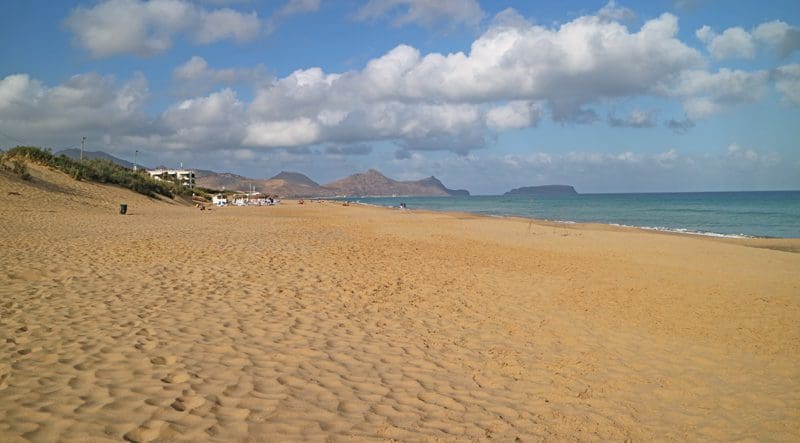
x=323, y=322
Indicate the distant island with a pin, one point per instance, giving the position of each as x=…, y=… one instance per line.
x=544, y=191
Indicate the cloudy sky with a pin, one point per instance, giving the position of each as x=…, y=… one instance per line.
x=673, y=95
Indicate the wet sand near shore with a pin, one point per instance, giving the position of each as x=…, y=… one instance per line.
x=323, y=322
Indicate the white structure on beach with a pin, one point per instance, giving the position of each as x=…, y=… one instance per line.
x=220, y=200
x=182, y=176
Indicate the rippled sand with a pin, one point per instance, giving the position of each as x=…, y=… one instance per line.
x=318, y=321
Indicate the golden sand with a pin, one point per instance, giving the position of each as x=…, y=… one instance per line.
x=318, y=321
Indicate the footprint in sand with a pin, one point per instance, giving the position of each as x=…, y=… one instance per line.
x=145, y=345
x=5, y=374
x=164, y=360
x=187, y=402
x=176, y=377
x=147, y=432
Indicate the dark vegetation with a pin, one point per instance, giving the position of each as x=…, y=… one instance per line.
x=99, y=171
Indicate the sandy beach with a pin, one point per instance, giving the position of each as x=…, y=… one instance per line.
x=320, y=322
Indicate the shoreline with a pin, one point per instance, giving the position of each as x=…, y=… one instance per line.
x=784, y=244
x=505, y=209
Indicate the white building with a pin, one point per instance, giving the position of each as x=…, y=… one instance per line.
x=182, y=176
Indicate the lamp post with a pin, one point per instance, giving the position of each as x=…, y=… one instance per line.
x=83, y=142
x=135, y=160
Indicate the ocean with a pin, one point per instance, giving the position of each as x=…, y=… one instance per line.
x=726, y=214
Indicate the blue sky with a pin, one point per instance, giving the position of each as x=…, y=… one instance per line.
x=683, y=95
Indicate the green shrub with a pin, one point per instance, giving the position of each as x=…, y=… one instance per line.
x=20, y=168
x=75, y=173
x=101, y=171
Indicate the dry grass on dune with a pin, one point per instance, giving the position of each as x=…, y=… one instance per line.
x=323, y=322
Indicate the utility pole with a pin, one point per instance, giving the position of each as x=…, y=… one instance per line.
x=83, y=142
x=135, y=160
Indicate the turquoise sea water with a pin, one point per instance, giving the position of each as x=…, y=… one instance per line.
x=745, y=214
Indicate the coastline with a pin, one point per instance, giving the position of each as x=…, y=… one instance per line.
x=712, y=214
x=784, y=244
x=320, y=321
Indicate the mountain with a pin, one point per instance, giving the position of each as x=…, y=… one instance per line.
x=296, y=185
x=295, y=177
x=285, y=184
x=435, y=183
x=97, y=155
x=544, y=191
x=225, y=181
x=373, y=183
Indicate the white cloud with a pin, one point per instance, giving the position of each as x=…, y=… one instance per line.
x=667, y=158
x=736, y=152
x=17, y=92
x=636, y=119
x=113, y=118
x=345, y=109
x=216, y=109
x=87, y=104
x=216, y=120
x=707, y=93
x=292, y=7
x=732, y=43
x=514, y=74
x=196, y=67
x=784, y=39
x=448, y=101
x=298, y=7
x=583, y=61
x=593, y=159
x=613, y=12
x=705, y=34
x=514, y=115
x=282, y=133
x=737, y=42
x=787, y=82
x=148, y=27
x=749, y=159
x=686, y=4
x=701, y=107
x=226, y=23
x=329, y=117
x=531, y=160
x=424, y=12
x=306, y=92
x=196, y=77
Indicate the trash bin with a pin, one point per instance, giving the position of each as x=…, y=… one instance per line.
x=123, y=208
